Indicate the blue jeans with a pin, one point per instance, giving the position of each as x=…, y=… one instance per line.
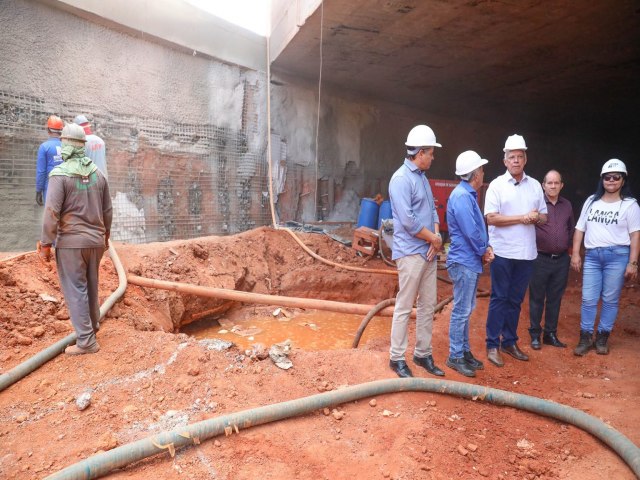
x=603, y=277
x=465, y=283
x=509, y=281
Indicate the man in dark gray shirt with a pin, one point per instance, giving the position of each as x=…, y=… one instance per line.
x=78, y=218
x=551, y=267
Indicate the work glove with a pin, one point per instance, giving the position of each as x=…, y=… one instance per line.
x=44, y=252
x=39, y=200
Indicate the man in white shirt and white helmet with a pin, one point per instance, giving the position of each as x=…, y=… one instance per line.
x=514, y=204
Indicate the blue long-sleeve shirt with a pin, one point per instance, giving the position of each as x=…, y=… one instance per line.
x=49, y=156
x=467, y=230
x=413, y=209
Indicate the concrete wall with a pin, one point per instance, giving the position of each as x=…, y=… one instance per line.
x=287, y=17
x=152, y=103
x=361, y=144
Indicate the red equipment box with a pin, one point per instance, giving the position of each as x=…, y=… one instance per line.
x=441, y=190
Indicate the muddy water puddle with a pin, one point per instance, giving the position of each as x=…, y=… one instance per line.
x=308, y=331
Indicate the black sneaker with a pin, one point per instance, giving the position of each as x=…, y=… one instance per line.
x=460, y=365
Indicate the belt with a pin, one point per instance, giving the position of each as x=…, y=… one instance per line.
x=552, y=256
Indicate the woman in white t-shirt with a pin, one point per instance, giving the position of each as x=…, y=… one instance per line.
x=610, y=226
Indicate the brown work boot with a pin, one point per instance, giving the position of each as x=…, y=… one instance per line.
x=76, y=350
x=493, y=355
x=515, y=352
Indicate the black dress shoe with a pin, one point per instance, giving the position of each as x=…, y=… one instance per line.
x=428, y=365
x=535, y=343
x=553, y=340
x=401, y=368
x=473, y=361
x=515, y=352
x=460, y=365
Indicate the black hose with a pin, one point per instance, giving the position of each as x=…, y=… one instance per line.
x=365, y=321
x=103, y=463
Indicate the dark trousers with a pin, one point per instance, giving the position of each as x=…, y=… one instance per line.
x=509, y=281
x=548, y=281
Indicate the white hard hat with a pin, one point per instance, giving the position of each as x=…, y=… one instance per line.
x=80, y=120
x=614, y=165
x=515, y=142
x=73, y=132
x=468, y=161
x=421, y=136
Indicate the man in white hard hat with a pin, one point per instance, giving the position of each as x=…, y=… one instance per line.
x=551, y=266
x=78, y=218
x=416, y=241
x=514, y=204
x=94, y=147
x=469, y=249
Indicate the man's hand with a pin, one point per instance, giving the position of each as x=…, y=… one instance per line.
x=107, y=235
x=532, y=217
x=488, y=256
x=39, y=200
x=434, y=246
x=436, y=241
x=44, y=252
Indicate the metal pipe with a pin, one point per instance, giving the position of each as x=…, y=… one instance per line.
x=103, y=463
x=18, y=256
x=248, y=297
x=25, y=368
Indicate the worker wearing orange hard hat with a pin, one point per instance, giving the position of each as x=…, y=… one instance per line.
x=49, y=156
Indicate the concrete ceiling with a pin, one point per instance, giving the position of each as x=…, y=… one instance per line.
x=539, y=64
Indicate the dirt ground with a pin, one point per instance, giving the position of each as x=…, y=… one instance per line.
x=147, y=378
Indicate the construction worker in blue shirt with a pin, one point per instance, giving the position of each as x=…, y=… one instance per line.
x=49, y=156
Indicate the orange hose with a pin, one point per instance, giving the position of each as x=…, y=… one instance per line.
x=248, y=297
x=334, y=264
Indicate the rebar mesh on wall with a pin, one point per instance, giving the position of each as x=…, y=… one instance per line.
x=167, y=180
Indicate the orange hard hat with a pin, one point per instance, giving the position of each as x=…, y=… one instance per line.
x=55, y=123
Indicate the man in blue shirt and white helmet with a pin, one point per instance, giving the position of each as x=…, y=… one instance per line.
x=468, y=250
x=416, y=241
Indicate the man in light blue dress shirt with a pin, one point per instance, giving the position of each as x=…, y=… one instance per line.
x=416, y=241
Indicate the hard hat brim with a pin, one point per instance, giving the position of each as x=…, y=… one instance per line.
x=420, y=146
x=505, y=150
x=482, y=162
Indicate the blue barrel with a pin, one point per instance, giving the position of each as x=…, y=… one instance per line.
x=368, y=213
x=385, y=212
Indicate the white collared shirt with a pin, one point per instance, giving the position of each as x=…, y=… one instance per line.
x=506, y=197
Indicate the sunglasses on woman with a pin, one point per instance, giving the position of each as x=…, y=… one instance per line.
x=612, y=178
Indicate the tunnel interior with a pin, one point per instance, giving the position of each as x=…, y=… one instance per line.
x=563, y=74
